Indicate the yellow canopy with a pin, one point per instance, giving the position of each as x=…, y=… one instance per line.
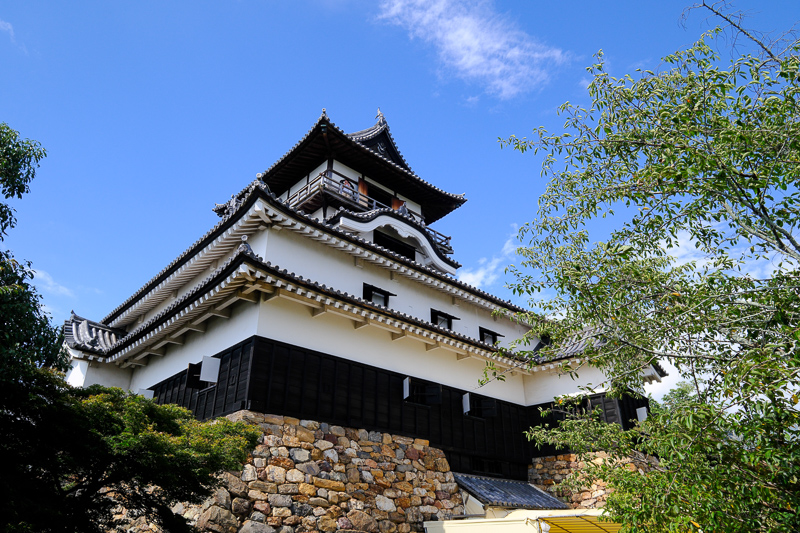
x=574, y=524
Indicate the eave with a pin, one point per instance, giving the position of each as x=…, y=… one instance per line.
x=326, y=141
x=246, y=277
x=260, y=209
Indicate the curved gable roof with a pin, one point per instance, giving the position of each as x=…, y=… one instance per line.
x=360, y=151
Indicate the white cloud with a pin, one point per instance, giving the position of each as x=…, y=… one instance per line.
x=9, y=29
x=477, y=43
x=489, y=269
x=46, y=283
x=756, y=267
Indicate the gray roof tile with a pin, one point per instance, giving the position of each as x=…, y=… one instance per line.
x=507, y=493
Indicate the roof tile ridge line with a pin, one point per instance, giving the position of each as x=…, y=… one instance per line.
x=402, y=158
x=512, y=362
x=77, y=318
x=243, y=193
x=188, y=296
x=378, y=128
x=201, y=287
x=182, y=256
x=389, y=210
x=398, y=167
x=410, y=262
x=322, y=117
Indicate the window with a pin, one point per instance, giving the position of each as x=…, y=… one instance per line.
x=421, y=392
x=442, y=319
x=395, y=245
x=377, y=295
x=488, y=336
x=478, y=406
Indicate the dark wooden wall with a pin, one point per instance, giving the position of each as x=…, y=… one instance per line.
x=278, y=378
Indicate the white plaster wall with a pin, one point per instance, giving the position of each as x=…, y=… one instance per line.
x=336, y=268
x=221, y=334
x=108, y=375
x=333, y=334
x=542, y=387
x=76, y=374
x=344, y=169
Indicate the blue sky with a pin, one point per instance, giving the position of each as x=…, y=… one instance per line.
x=153, y=111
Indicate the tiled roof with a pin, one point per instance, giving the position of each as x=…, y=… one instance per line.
x=246, y=255
x=89, y=336
x=589, y=337
x=228, y=218
x=507, y=493
x=324, y=119
x=408, y=219
x=259, y=189
x=374, y=131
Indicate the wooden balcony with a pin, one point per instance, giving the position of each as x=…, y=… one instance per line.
x=324, y=188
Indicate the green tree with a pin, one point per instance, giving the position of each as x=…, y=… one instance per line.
x=703, y=154
x=71, y=457
x=27, y=339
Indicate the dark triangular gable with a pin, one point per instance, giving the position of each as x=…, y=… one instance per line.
x=383, y=145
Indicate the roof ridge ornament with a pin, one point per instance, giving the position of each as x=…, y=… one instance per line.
x=380, y=117
x=324, y=113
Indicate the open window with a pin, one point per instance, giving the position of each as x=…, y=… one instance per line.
x=376, y=295
x=395, y=245
x=203, y=374
x=488, y=336
x=421, y=392
x=442, y=319
x=478, y=406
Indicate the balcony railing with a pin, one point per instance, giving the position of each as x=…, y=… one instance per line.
x=347, y=192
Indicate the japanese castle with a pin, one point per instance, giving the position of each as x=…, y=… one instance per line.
x=324, y=293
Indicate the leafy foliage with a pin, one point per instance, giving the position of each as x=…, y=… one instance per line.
x=19, y=159
x=704, y=156
x=27, y=339
x=71, y=457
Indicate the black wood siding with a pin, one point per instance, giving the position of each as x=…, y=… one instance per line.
x=278, y=378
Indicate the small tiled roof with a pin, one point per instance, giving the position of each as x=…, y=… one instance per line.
x=89, y=336
x=507, y=493
x=589, y=337
x=394, y=213
x=379, y=139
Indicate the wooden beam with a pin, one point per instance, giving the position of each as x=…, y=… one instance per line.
x=462, y=356
x=433, y=346
x=210, y=313
x=161, y=352
x=358, y=324
x=259, y=285
x=235, y=297
x=399, y=335
x=319, y=311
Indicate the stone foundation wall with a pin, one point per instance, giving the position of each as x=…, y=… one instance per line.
x=547, y=473
x=310, y=476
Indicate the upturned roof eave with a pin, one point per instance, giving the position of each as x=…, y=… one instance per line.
x=250, y=195
x=444, y=203
x=291, y=279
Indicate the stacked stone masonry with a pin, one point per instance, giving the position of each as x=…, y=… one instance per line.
x=547, y=473
x=310, y=476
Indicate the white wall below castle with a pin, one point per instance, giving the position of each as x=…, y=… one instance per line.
x=335, y=335
x=542, y=387
x=221, y=334
x=337, y=269
x=84, y=373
